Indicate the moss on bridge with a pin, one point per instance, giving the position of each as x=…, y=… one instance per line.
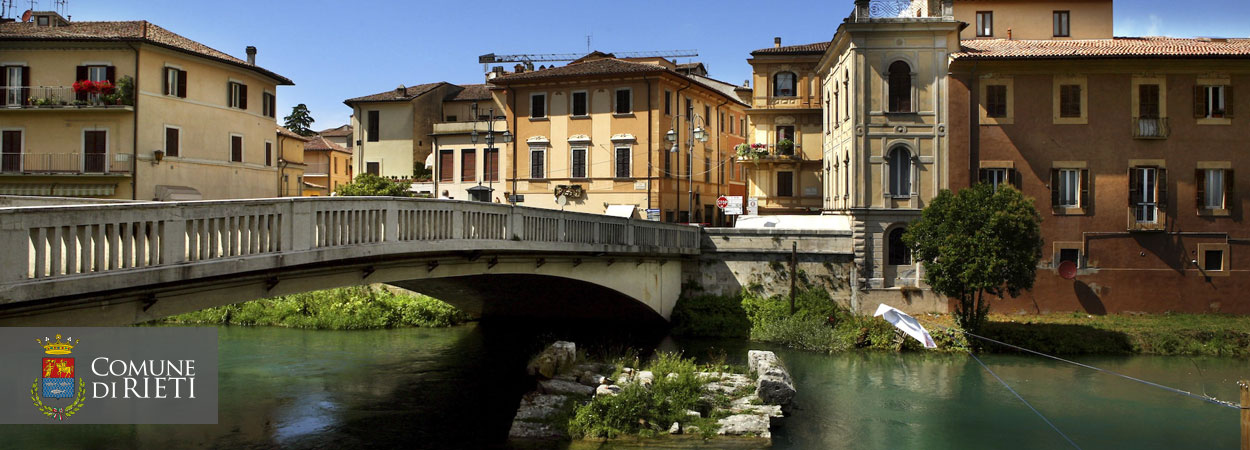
x=358, y=307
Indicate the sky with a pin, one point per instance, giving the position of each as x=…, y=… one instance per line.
x=335, y=50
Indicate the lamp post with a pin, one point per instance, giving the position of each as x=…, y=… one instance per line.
x=695, y=133
x=490, y=144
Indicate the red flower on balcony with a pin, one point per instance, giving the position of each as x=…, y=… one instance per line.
x=93, y=87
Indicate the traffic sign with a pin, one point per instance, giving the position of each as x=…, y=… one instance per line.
x=733, y=205
x=722, y=202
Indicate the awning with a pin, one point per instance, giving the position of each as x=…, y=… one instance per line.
x=429, y=161
x=626, y=211
x=59, y=190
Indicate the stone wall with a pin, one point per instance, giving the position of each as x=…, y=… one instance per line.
x=759, y=259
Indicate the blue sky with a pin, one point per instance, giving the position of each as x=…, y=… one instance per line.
x=335, y=50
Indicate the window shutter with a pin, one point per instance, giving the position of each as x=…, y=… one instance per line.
x=885, y=177
x=1054, y=188
x=182, y=83
x=1162, y=191
x=4, y=83
x=110, y=73
x=1013, y=176
x=1133, y=182
x=229, y=94
x=1228, y=101
x=165, y=81
x=1200, y=102
x=242, y=96
x=79, y=75
x=982, y=175
x=26, y=85
x=1084, y=189
x=1230, y=194
x=1200, y=191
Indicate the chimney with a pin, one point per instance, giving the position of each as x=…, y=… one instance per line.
x=519, y=68
x=251, y=55
x=777, y=42
x=746, y=84
x=1009, y=34
x=401, y=91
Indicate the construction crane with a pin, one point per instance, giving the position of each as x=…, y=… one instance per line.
x=530, y=58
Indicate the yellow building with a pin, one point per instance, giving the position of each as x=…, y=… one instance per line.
x=467, y=166
x=392, y=128
x=886, y=143
x=785, y=118
x=341, y=135
x=329, y=166
x=183, y=121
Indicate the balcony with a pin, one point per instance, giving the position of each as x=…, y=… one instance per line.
x=57, y=98
x=317, y=169
x=772, y=154
x=468, y=127
x=66, y=163
x=1150, y=128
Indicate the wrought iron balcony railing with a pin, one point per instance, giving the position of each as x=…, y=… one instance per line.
x=77, y=163
x=1151, y=128
x=55, y=97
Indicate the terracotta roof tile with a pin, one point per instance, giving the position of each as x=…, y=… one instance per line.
x=473, y=92
x=1120, y=47
x=815, y=48
x=127, y=31
x=341, y=130
x=320, y=143
x=607, y=67
x=284, y=131
x=393, y=95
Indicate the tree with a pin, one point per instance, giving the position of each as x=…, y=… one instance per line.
x=299, y=120
x=977, y=242
x=367, y=184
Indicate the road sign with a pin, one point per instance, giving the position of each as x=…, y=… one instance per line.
x=733, y=205
x=722, y=202
x=753, y=206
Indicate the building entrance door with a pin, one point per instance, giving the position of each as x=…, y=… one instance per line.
x=94, y=148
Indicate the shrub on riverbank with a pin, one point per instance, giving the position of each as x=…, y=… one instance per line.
x=358, y=307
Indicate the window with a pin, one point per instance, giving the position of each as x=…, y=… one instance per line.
x=996, y=101
x=720, y=121
x=899, y=163
x=985, y=23
x=1062, y=24
x=1149, y=122
x=785, y=132
x=42, y=21
x=784, y=84
x=742, y=126
x=1213, y=102
x=1214, y=188
x=372, y=130
x=578, y=169
x=581, y=107
x=846, y=97
x=373, y=167
x=1070, y=254
x=175, y=82
x=95, y=150
x=268, y=153
x=95, y=73
x=707, y=118
x=451, y=118
x=13, y=82
x=668, y=164
x=10, y=151
x=996, y=176
x=1147, y=193
x=624, y=101
x=785, y=183
x=623, y=162
x=446, y=165
x=1070, y=188
x=900, y=87
x=172, y=144
x=268, y=104
x=668, y=103
x=538, y=156
x=1070, y=100
x=236, y=148
x=707, y=170
x=898, y=254
x=491, y=165
x=237, y=95
x=538, y=106
x=1213, y=259
x=468, y=164
x=732, y=119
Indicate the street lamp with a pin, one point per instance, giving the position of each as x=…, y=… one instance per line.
x=490, y=143
x=695, y=133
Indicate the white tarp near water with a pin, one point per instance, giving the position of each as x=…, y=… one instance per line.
x=906, y=323
x=827, y=222
x=626, y=211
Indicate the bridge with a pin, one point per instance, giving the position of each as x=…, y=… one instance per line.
x=111, y=264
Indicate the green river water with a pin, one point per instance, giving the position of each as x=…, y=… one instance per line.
x=458, y=388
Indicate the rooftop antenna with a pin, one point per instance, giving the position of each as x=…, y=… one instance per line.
x=61, y=7
x=6, y=8
x=588, y=43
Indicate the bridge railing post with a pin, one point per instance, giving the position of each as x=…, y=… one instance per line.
x=173, y=239
x=457, y=221
x=390, y=222
x=629, y=232
x=16, y=258
x=516, y=223
x=303, y=227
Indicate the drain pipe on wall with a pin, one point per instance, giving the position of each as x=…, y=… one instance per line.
x=134, y=121
x=650, y=146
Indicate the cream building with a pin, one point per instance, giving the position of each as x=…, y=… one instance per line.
x=886, y=147
x=185, y=122
x=392, y=129
x=785, y=117
x=466, y=166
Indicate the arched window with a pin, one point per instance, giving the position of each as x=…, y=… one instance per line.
x=900, y=87
x=900, y=172
x=898, y=253
x=784, y=84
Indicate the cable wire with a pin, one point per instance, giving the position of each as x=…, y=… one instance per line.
x=1026, y=402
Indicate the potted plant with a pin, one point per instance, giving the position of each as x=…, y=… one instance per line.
x=753, y=151
x=785, y=147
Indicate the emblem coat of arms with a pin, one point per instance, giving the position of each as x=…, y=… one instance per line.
x=56, y=382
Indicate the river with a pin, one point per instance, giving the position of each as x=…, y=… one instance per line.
x=458, y=388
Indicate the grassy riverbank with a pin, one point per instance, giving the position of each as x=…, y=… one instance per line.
x=820, y=325
x=350, y=308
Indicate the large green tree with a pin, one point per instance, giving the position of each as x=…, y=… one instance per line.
x=367, y=184
x=299, y=121
x=976, y=245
